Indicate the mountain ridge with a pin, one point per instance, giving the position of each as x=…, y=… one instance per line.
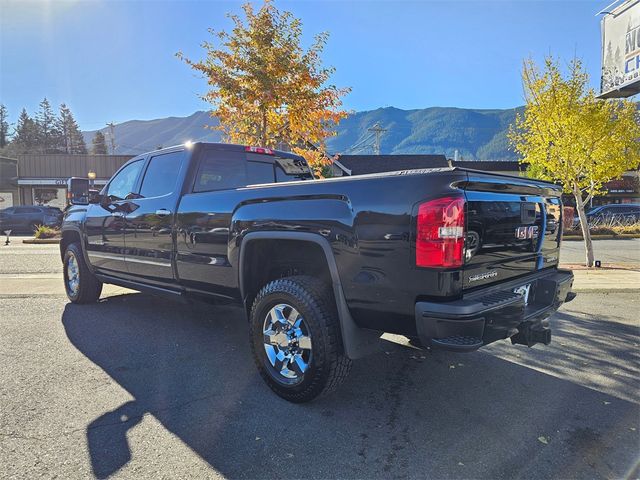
x=477, y=134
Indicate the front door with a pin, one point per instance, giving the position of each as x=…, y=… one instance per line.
x=104, y=224
x=149, y=224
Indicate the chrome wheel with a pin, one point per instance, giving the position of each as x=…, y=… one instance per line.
x=73, y=274
x=287, y=342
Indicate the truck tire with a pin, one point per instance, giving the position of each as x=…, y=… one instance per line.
x=295, y=338
x=79, y=283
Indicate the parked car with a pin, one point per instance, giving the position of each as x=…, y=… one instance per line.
x=25, y=219
x=324, y=267
x=621, y=213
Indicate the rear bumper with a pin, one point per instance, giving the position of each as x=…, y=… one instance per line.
x=495, y=313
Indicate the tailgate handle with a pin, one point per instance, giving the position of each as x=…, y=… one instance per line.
x=528, y=213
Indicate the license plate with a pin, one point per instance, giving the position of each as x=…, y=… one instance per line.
x=524, y=291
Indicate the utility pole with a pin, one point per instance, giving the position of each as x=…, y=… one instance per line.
x=378, y=130
x=112, y=137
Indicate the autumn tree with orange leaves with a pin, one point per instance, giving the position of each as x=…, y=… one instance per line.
x=266, y=89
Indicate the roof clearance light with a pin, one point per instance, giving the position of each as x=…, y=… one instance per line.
x=188, y=144
x=264, y=151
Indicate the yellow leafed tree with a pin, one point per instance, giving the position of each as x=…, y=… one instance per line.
x=266, y=89
x=570, y=137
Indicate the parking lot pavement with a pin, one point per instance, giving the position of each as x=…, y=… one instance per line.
x=139, y=386
x=18, y=257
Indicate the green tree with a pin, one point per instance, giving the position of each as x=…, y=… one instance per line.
x=72, y=139
x=4, y=126
x=266, y=89
x=49, y=137
x=99, y=144
x=26, y=137
x=569, y=136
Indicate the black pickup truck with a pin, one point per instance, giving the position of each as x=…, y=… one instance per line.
x=451, y=258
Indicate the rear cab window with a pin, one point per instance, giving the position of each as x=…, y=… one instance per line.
x=224, y=170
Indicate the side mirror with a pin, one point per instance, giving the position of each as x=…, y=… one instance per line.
x=78, y=191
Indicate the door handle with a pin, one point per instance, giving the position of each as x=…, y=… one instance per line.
x=163, y=212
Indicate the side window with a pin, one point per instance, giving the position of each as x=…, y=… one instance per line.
x=220, y=171
x=125, y=180
x=260, y=172
x=161, y=176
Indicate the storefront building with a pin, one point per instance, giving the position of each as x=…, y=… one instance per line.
x=42, y=178
x=9, y=194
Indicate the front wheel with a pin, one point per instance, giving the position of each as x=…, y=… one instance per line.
x=296, y=340
x=80, y=284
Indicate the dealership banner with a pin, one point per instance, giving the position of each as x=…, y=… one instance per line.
x=621, y=50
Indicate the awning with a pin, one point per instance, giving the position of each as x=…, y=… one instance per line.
x=54, y=182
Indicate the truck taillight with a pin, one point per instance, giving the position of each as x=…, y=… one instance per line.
x=264, y=151
x=440, y=233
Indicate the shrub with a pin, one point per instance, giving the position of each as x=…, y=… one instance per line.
x=628, y=229
x=43, y=231
x=632, y=228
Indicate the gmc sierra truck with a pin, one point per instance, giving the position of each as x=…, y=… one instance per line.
x=451, y=258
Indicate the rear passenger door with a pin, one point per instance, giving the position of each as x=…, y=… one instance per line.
x=149, y=223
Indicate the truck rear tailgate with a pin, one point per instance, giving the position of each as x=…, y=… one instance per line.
x=513, y=227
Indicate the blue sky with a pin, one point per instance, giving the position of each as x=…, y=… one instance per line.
x=114, y=60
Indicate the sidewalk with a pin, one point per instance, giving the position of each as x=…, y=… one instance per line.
x=28, y=270
x=23, y=285
x=31, y=284
x=606, y=280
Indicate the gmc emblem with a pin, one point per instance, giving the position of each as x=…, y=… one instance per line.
x=523, y=233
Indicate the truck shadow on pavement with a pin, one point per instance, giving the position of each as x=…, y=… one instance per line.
x=401, y=413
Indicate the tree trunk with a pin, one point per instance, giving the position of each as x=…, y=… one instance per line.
x=586, y=234
x=264, y=129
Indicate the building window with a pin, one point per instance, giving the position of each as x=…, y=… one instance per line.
x=6, y=200
x=51, y=196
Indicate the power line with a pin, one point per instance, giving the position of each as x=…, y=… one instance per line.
x=354, y=147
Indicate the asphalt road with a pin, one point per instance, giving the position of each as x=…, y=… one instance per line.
x=619, y=252
x=136, y=386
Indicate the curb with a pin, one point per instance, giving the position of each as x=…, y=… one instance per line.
x=41, y=241
x=622, y=236
x=604, y=290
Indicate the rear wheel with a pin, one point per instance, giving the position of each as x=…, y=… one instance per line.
x=295, y=338
x=80, y=284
